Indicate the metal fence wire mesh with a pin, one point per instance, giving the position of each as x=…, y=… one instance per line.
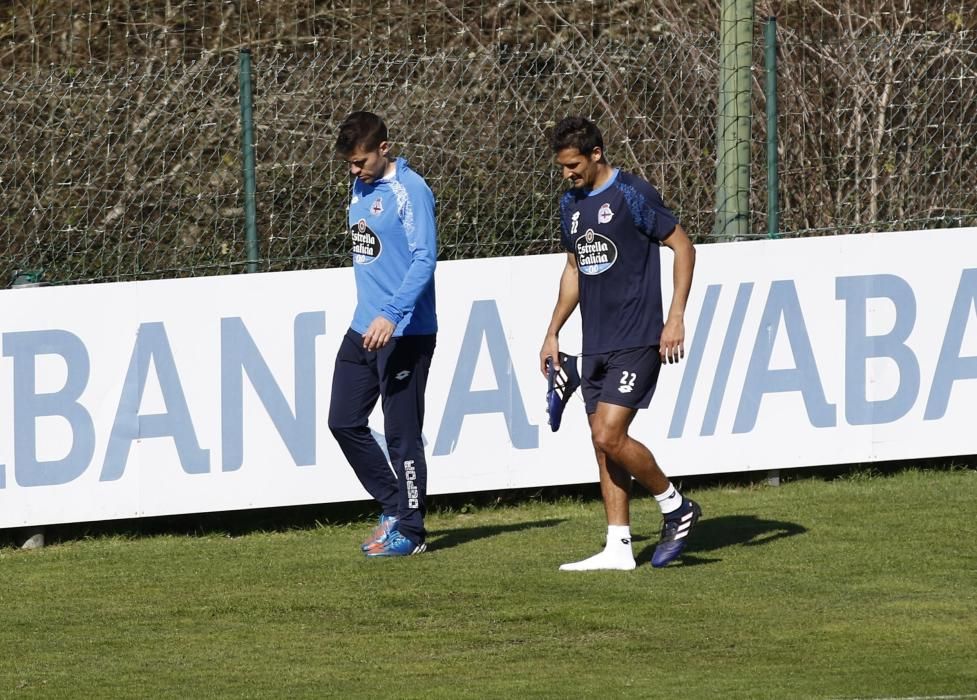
x=121, y=172
x=882, y=136
x=122, y=164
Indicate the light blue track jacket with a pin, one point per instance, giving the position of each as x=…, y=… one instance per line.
x=395, y=249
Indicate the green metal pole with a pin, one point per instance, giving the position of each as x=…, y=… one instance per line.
x=733, y=125
x=773, y=175
x=744, y=113
x=247, y=151
x=722, y=124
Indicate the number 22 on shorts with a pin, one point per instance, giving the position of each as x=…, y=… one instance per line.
x=627, y=382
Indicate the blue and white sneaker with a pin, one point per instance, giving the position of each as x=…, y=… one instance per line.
x=677, y=526
x=396, y=545
x=380, y=533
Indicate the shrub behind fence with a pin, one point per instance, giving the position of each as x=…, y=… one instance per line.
x=129, y=166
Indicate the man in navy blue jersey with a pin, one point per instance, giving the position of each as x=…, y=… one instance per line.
x=386, y=354
x=613, y=225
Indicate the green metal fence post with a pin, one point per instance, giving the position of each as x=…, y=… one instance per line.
x=247, y=151
x=773, y=175
x=733, y=126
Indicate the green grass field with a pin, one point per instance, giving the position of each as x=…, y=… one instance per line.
x=863, y=586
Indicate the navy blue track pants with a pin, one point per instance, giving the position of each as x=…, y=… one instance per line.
x=397, y=375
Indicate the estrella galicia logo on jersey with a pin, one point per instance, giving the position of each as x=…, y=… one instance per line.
x=377, y=207
x=604, y=214
x=595, y=253
x=366, y=244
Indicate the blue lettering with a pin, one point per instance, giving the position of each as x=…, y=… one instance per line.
x=951, y=366
x=725, y=364
x=693, y=361
x=152, y=345
x=782, y=303
x=484, y=322
x=239, y=354
x=24, y=347
x=859, y=347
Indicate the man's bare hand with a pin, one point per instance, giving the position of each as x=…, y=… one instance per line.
x=379, y=333
x=672, y=346
x=551, y=348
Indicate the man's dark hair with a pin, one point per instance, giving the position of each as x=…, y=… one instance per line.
x=579, y=133
x=360, y=129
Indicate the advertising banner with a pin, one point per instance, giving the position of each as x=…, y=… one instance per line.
x=206, y=394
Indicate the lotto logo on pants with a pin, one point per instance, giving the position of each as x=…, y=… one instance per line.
x=410, y=476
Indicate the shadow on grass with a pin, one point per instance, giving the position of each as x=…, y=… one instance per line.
x=240, y=523
x=456, y=537
x=230, y=523
x=713, y=534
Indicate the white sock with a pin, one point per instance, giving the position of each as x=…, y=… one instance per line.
x=670, y=501
x=618, y=536
x=616, y=555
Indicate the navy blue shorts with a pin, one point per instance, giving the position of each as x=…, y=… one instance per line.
x=621, y=377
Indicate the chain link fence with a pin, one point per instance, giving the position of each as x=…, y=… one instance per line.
x=130, y=167
x=877, y=134
x=121, y=172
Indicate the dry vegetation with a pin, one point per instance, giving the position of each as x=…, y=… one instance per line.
x=119, y=135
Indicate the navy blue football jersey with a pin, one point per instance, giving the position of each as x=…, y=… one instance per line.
x=615, y=232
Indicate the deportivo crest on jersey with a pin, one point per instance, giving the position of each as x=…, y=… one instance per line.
x=366, y=244
x=377, y=207
x=595, y=253
x=604, y=214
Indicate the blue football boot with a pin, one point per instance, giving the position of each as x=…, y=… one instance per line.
x=380, y=533
x=676, y=528
x=560, y=385
x=396, y=545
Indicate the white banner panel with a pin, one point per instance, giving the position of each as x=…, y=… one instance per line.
x=181, y=396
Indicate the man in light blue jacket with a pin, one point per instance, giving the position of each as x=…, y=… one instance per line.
x=386, y=354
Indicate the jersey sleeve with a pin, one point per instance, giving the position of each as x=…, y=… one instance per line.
x=565, y=214
x=415, y=207
x=651, y=216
